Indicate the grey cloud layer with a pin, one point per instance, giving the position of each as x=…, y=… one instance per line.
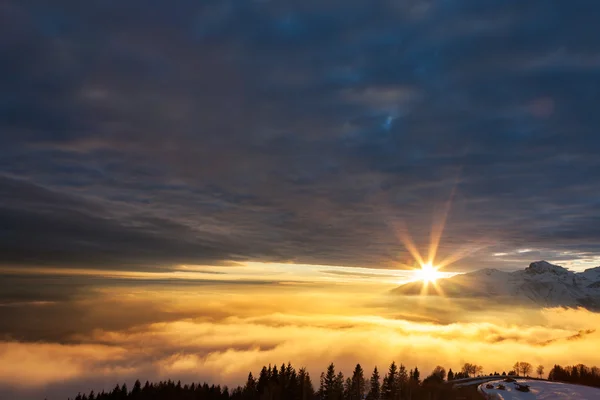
x=146, y=134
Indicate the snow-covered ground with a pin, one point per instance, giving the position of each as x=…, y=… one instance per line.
x=474, y=381
x=539, y=390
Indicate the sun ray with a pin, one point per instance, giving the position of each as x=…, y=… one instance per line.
x=424, y=289
x=428, y=270
x=437, y=229
x=404, y=236
x=438, y=289
x=461, y=253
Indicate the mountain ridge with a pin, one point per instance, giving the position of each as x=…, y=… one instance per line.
x=540, y=284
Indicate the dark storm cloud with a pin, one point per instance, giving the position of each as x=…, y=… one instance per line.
x=146, y=133
x=42, y=227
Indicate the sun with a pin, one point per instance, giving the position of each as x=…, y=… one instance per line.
x=428, y=273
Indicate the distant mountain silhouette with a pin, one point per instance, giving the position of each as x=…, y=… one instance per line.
x=542, y=284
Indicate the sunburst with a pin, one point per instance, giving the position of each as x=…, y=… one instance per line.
x=427, y=273
x=427, y=270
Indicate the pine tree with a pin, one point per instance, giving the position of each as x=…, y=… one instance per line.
x=357, y=387
x=389, y=388
x=416, y=376
x=263, y=381
x=402, y=379
x=292, y=389
x=137, y=389
x=574, y=374
x=347, y=389
x=321, y=391
x=250, y=392
x=307, y=391
x=339, y=386
x=451, y=374
x=274, y=375
x=329, y=383
x=374, y=386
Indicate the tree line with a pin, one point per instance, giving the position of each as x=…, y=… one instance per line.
x=520, y=368
x=287, y=383
x=579, y=374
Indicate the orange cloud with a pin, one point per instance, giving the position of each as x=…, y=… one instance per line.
x=222, y=334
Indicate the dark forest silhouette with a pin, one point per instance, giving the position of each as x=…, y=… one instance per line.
x=287, y=383
x=580, y=374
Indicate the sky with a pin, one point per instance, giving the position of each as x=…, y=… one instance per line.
x=161, y=163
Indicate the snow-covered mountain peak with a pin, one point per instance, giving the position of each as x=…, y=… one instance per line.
x=592, y=272
x=542, y=284
x=592, y=275
x=544, y=267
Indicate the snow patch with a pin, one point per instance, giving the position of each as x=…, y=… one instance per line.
x=538, y=390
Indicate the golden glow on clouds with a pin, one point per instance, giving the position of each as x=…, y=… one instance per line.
x=43, y=363
x=242, y=272
x=216, y=323
x=220, y=333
